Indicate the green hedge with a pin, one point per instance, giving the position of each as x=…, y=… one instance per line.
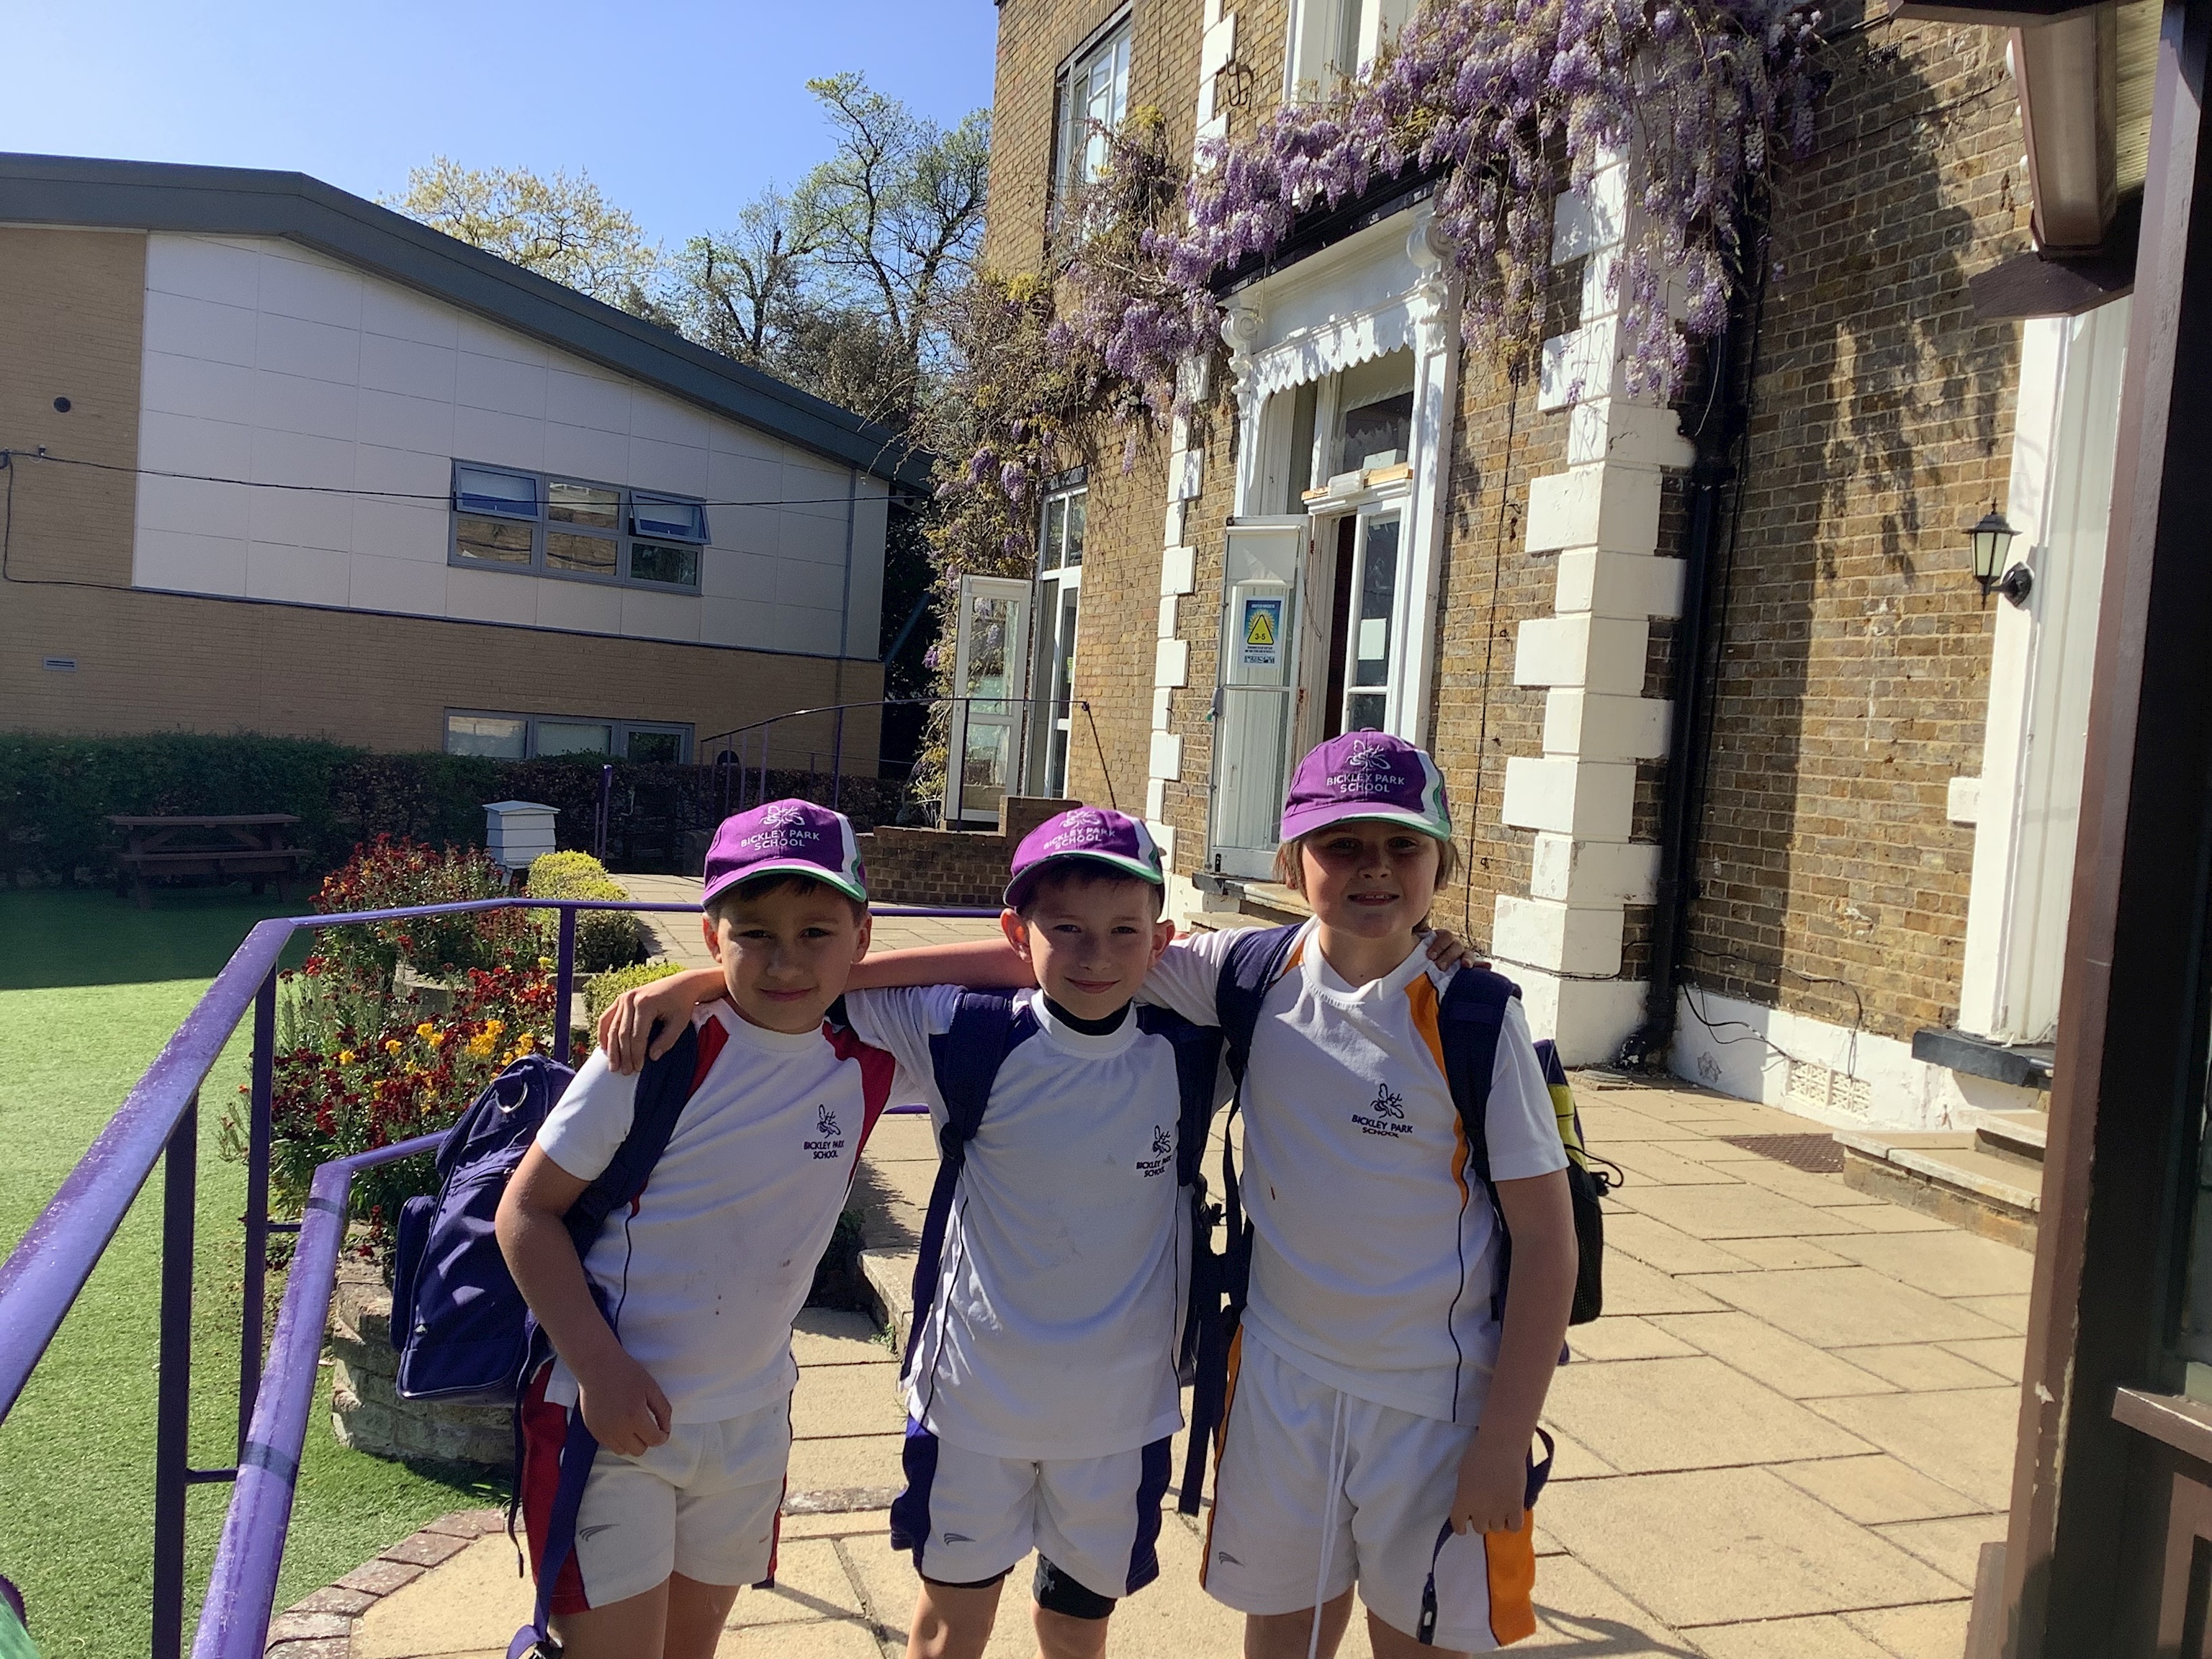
x=55, y=794
x=604, y=938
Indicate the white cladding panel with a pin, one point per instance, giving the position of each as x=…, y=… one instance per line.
x=266, y=361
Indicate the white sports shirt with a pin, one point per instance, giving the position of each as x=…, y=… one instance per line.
x=1374, y=1256
x=1066, y=1261
x=705, y=1271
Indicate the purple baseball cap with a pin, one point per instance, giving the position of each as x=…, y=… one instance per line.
x=1098, y=834
x=1366, y=776
x=786, y=837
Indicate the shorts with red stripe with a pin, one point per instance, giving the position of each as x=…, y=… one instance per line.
x=705, y=1503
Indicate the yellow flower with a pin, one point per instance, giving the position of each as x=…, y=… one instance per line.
x=480, y=1046
x=425, y=1029
x=392, y=1045
x=345, y=1056
x=494, y=1027
x=435, y=1039
x=545, y=964
x=526, y=1043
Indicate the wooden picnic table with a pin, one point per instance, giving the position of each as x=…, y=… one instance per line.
x=223, y=845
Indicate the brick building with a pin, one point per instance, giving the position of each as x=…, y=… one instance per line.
x=285, y=461
x=1757, y=605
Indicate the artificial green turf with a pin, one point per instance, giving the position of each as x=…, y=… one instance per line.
x=90, y=988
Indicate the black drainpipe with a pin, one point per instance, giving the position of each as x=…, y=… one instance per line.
x=1719, y=439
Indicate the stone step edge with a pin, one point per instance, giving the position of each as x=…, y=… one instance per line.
x=889, y=1276
x=1922, y=1154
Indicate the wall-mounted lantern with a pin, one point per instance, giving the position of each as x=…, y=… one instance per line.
x=1992, y=538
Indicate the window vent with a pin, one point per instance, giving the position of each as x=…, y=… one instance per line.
x=1812, y=1084
x=58, y=664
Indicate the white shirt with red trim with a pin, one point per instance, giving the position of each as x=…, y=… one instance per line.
x=1374, y=1254
x=705, y=1271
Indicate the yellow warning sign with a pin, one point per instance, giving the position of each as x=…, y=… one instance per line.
x=1260, y=625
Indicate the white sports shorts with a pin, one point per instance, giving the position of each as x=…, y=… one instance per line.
x=1277, y=1543
x=968, y=1517
x=704, y=1502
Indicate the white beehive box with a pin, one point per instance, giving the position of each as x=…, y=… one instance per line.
x=517, y=831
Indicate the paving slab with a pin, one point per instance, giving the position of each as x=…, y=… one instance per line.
x=1944, y=1264
x=1661, y=1164
x=1668, y=1248
x=1632, y=1288
x=1922, y=1366
x=1623, y=1337
x=1936, y=1630
x=1952, y=1546
x=1823, y=1636
x=1820, y=1191
x=473, y=1601
x=836, y=1400
x=1724, y=1545
x=1605, y=1124
x=1876, y=1489
x=1571, y=1459
x=1642, y=1415
x=811, y=1583
x=2005, y=1355
x=2009, y=1312
x=1741, y=1211
x=1579, y=1612
x=1963, y=1437
x=1892, y=1219
x=839, y=1638
x=850, y=1462
x=1846, y=1306
x=1782, y=1361
x=1787, y=1252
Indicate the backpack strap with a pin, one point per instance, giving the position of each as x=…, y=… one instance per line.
x=1469, y=1020
x=1256, y=960
x=1197, y=1076
x=965, y=1058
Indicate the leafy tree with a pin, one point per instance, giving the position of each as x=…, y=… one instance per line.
x=560, y=227
x=744, y=292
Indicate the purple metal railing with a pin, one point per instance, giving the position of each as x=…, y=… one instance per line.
x=159, y=1119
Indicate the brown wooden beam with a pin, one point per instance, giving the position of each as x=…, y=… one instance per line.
x=2130, y=1048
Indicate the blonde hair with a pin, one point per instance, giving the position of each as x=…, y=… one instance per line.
x=1289, y=858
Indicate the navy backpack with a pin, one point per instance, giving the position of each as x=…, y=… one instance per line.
x=463, y=1330
x=965, y=1059
x=1469, y=1017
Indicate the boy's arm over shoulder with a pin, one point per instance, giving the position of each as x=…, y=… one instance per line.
x=1523, y=1128
x=900, y=1021
x=1184, y=979
x=587, y=1123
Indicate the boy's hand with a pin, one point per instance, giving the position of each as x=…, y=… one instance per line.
x=630, y=1019
x=1493, y=1480
x=1446, y=950
x=623, y=1405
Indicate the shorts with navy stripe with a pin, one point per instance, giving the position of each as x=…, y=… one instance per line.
x=968, y=1517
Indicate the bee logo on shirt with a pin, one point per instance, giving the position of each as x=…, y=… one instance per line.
x=1162, y=1151
x=1385, y=1114
x=832, y=1144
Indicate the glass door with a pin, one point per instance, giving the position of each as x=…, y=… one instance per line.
x=1052, y=666
x=990, y=688
x=1257, y=705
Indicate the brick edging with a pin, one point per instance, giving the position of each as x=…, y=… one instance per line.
x=321, y=1625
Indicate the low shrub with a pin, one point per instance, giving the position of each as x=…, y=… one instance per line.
x=390, y=874
x=360, y=1065
x=600, y=994
x=604, y=938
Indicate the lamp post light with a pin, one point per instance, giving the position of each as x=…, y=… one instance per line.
x=1992, y=538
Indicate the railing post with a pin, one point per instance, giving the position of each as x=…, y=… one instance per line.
x=837, y=760
x=564, y=980
x=257, y=1203
x=173, y=1396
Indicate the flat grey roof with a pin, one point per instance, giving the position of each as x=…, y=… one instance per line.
x=70, y=190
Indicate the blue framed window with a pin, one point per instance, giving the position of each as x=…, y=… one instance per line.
x=542, y=525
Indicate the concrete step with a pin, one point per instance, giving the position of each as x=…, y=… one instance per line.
x=890, y=1274
x=1952, y=1176
x=2017, y=1136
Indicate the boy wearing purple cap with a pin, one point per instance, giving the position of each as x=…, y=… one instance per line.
x=1382, y=1401
x=704, y=1272
x=1041, y=1382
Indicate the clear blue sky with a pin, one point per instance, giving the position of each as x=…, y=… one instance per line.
x=681, y=110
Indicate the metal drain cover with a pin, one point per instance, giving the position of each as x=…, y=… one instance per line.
x=1815, y=1154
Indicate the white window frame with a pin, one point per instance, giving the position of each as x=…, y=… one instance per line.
x=631, y=506
x=619, y=731
x=1077, y=145
x=1057, y=579
x=1324, y=33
